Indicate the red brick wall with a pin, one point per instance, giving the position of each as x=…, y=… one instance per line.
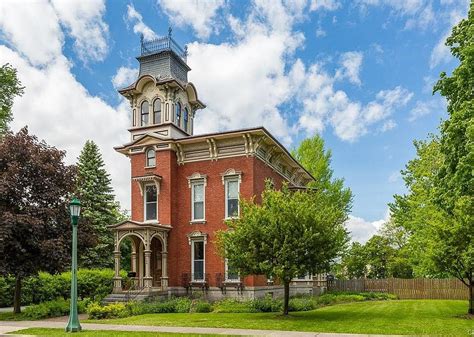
x=175, y=205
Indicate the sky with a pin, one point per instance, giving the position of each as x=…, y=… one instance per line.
x=359, y=73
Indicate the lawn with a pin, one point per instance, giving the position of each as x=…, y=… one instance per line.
x=103, y=333
x=414, y=317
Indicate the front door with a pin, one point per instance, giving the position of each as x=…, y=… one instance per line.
x=156, y=264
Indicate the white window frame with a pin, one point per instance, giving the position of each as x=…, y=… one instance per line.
x=193, y=185
x=145, y=203
x=203, y=260
x=228, y=179
x=226, y=273
x=146, y=157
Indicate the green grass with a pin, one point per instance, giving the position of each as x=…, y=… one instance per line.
x=415, y=317
x=104, y=333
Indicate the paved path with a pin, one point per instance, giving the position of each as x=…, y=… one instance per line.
x=10, y=326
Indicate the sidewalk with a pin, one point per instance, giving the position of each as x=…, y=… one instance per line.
x=11, y=326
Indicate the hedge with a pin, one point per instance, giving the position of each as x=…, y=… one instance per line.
x=91, y=283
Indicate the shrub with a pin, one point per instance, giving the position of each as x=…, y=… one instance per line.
x=96, y=311
x=302, y=304
x=182, y=304
x=55, y=308
x=231, y=305
x=267, y=304
x=201, y=306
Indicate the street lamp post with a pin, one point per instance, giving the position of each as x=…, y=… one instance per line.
x=73, y=324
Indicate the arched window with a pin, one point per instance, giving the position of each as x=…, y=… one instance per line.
x=144, y=113
x=178, y=114
x=150, y=158
x=185, y=119
x=157, y=111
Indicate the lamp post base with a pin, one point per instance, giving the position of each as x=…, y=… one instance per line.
x=73, y=326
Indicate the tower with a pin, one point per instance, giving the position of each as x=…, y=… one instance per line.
x=162, y=100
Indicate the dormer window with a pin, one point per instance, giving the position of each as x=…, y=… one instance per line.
x=150, y=158
x=157, y=111
x=144, y=113
x=185, y=119
x=178, y=114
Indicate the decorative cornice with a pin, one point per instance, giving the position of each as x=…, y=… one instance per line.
x=197, y=235
x=197, y=176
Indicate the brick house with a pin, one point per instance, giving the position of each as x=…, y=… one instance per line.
x=184, y=186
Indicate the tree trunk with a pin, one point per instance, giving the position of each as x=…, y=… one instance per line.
x=286, y=299
x=17, y=295
x=471, y=297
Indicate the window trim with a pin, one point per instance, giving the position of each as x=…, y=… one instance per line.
x=227, y=179
x=193, y=183
x=147, y=164
x=178, y=108
x=142, y=114
x=185, y=120
x=161, y=111
x=226, y=274
x=203, y=260
x=145, y=203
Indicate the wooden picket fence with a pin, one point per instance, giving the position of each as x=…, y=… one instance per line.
x=420, y=288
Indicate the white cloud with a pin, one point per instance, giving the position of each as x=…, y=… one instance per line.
x=139, y=27
x=351, y=63
x=124, y=77
x=388, y=125
x=440, y=53
x=33, y=29
x=424, y=108
x=55, y=106
x=329, y=5
x=362, y=230
x=84, y=22
x=199, y=14
x=320, y=32
x=394, y=177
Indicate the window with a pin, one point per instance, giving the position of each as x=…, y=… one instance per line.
x=185, y=119
x=197, y=195
x=151, y=203
x=157, y=111
x=134, y=117
x=232, y=197
x=144, y=113
x=197, y=258
x=231, y=273
x=178, y=114
x=150, y=158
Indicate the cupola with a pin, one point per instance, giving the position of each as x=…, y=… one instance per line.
x=162, y=100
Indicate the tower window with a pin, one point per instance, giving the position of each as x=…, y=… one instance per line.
x=185, y=119
x=178, y=114
x=157, y=111
x=144, y=113
x=151, y=203
x=150, y=158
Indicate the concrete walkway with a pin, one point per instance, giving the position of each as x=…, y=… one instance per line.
x=11, y=326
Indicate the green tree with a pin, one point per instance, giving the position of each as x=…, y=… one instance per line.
x=100, y=209
x=314, y=158
x=354, y=262
x=288, y=234
x=35, y=189
x=455, y=181
x=10, y=86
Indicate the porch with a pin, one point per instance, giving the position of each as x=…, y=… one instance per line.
x=148, y=258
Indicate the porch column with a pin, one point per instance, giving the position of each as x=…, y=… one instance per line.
x=133, y=263
x=147, y=280
x=164, y=268
x=117, y=277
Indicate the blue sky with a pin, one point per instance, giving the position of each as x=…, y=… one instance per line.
x=359, y=73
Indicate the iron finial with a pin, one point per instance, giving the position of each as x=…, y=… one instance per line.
x=170, y=30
